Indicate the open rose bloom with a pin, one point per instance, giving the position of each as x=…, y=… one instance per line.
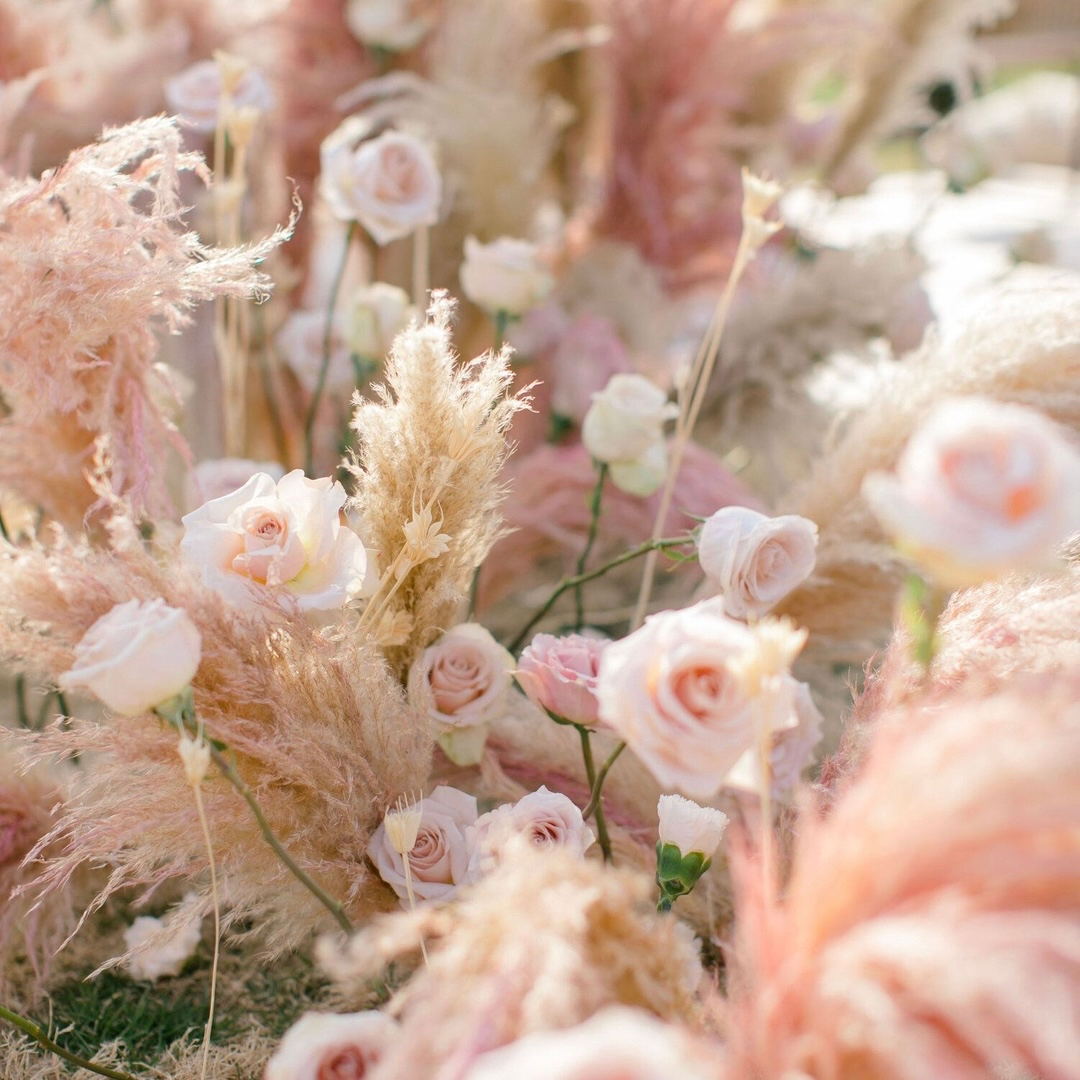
x=559, y=674
x=332, y=1046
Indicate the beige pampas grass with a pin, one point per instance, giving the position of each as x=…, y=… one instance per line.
x=504, y=964
x=434, y=443
x=1022, y=346
x=931, y=922
x=318, y=726
x=92, y=266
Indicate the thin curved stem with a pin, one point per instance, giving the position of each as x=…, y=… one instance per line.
x=590, y=772
x=594, y=525
x=324, y=367
x=39, y=1035
x=599, y=571
x=598, y=786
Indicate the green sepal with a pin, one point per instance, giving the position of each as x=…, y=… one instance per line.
x=676, y=873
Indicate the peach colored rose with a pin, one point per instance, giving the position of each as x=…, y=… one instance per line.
x=440, y=856
x=540, y=819
x=505, y=275
x=328, y=1046
x=981, y=488
x=668, y=691
x=755, y=560
x=559, y=674
x=617, y=1043
x=285, y=535
x=195, y=94
x=389, y=184
x=136, y=656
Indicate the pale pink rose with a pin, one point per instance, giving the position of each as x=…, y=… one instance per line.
x=300, y=343
x=390, y=184
x=541, y=819
x=792, y=751
x=690, y=827
x=195, y=94
x=589, y=353
x=559, y=674
x=462, y=680
x=286, y=535
x=754, y=560
x=617, y=1043
x=329, y=1046
x=440, y=856
x=505, y=275
x=981, y=488
x=222, y=476
x=668, y=690
x=626, y=419
x=136, y=656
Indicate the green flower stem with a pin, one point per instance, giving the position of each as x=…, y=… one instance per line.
x=921, y=608
x=594, y=524
x=589, y=575
x=40, y=1036
x=324, y=367
x=598, y=784
x=181, y=712
x=590, y=772
x=502, y=321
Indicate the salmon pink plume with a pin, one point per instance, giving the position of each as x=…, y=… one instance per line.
x=92, y=267
x=928, y=936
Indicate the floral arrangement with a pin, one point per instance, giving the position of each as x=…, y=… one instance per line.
x=507, y=569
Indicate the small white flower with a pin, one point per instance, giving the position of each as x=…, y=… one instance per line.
x=423, y=541
x=691, y=828
x=162, y=946
x=136, y=656
x=759, y=194
x=626, y=419
x=385, y=24
x=505, y=275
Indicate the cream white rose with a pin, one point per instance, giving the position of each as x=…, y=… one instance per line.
x=754, y=560
x=626, y=419
x=195, y=94
x=643, y=475
x=617, y=1043
x=137, y=656
x=390, y=184
x=668, y=690
x=286, y=535
x=300, y=342
x=540, y=819
x=331, y=1046
x=375, y=316
x=222, y=476
x=505, y=275
x=385, y=24
x=439, y=857
x=981, y=488
x=690, y=827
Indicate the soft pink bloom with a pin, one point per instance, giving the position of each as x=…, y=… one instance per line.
x=980, y=489
x=195, y=94
x=559, y=674
x=300, y=342
x=617, y=1043
x=328, y=1046
x=754, y=560
x=540, y=819
x=389, y=184
x=222, y=476
x=792, y=751
x=506, y=275
x=285, y=535
x=136, y=656
x=463, y=679
x=668, y=690
x=589, y=353
x=540, y=330
x=439, y=858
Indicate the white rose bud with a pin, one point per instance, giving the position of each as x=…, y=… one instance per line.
x=691, y=828
x=390, y=184
x=385, y=24
x=140, y=654
x=505, y=275
x=626, y=419
x=375, y=316
x=755, y=560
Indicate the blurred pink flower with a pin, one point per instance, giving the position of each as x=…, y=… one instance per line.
x=587, y=355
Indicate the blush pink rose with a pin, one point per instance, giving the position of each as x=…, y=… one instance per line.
x=981, y=488
x=668, y=691
x=540, y=819
x=559, y=674
x=439, y=858
x=328, y=1046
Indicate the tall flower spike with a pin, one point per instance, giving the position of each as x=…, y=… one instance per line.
x=402, y=825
